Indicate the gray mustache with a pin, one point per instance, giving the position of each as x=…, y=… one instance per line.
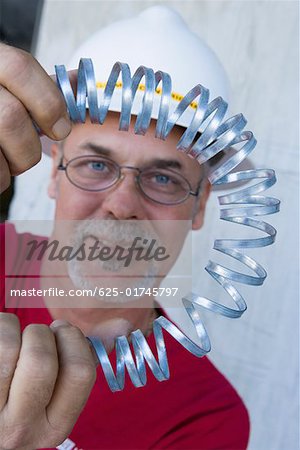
x=114, y=231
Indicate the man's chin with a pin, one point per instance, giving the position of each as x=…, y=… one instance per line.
x=113, y=288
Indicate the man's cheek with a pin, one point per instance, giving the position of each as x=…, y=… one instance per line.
x=69, y=204
x=185, y=211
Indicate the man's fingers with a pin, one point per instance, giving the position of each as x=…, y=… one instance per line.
x=27, y=94
x=10, y=343
x=77, y=374
x=35, y=375
x=19, y=141
x=23, y=76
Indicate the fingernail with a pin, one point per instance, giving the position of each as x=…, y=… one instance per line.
x=59, y=323
x=61, y=128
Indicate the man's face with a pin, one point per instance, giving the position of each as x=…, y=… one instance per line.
x=124, y=200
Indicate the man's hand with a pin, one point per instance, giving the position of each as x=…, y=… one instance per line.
x=26, y=93
x=46, y=376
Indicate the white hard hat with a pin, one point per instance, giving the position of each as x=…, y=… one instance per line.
x=157, y=38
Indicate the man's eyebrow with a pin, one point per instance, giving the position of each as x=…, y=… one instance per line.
x=157, y=162
x=165, y=163
x=96, y=148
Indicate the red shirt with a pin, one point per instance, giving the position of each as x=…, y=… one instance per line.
x=196, y=408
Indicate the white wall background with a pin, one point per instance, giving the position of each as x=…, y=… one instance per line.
x=257, y=44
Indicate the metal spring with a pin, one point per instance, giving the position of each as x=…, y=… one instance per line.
x=215, y=137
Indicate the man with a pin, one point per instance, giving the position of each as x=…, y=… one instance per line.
x=49, y=391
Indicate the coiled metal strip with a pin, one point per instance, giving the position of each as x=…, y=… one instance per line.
x=215, y=136
x=136, y=366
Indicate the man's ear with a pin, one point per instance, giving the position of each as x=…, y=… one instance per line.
x=55, y=156
x=199, y=206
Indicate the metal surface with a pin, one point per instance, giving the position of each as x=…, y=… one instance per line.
x=245, y=204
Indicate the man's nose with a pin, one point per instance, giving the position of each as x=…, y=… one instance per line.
x=124, y=200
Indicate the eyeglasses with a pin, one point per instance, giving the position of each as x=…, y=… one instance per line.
x=97, y=173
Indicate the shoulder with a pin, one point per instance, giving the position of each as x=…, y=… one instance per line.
x=14, y=265
x=14, y=248
x=8, y=237
x=210, y=413
x=8, y=246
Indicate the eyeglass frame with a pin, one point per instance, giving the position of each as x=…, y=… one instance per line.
x=64, y=168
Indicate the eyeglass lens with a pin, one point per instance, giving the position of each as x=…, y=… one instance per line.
x=95, y=173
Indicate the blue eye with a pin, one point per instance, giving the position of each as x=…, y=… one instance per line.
x=99, y=166
x=162, y=179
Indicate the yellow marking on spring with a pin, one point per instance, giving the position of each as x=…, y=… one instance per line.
x=177, y=97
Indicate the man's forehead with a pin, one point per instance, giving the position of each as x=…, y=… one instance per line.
x=107, y=140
